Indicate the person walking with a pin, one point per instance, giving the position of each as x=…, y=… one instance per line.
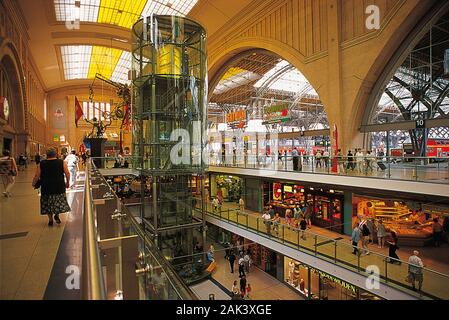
x=308, y=214
x=235, y=289
x=295, y=156
x=360, y=160
x=355, y=238
x=381, y=234
x=350, y=165
x=370, y=226
x=437, y=230
x=341, y=162
x=415, y=266
x=241, y=267
x=267, y=220
x=72, y=163
x=303, y=228
x=37, y=158
x=243, y=286
x=365, y=238
x=392, y=248
x=318, y=159
x=231, y=259
x=247, y=261
x=276, y=223
x=242, y=204
x=51, y=174
x=248, y=291
x=8, y=172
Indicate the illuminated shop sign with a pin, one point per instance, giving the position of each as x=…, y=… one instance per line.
x=340, y=282
x=55, y=138
x=276, y=114
x=236, y=118
x=288, y=189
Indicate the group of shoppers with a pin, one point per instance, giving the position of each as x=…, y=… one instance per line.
x=363, y=233
x=300, y=218
x=236, y=252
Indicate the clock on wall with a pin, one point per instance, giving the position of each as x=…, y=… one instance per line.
x=4, y=108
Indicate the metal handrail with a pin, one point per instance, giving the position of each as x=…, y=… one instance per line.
x=322, y=237
x=181, y=289
x=94, y=286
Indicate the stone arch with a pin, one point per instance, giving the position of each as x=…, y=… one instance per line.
x=10, y=62
x=399, y=54
x=239, y=47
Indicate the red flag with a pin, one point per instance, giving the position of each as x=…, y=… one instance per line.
x=125, y=123
x=78, y=111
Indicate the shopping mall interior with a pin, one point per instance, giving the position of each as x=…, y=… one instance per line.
x=224, y=150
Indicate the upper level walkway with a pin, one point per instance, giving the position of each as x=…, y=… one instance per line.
x=429, y=170
x=353, y=180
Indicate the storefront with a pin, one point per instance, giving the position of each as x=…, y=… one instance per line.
x=327, y=205
x=411, y=221
x=228, y=188
x=316, y=285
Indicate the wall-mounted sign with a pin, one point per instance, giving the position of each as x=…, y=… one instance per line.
x=236, y=118
x=4, y=108
x=276, y=114
x=62, y=138
x=420, y=124
x=56, y=138
x=288, y=189
x=58, y=113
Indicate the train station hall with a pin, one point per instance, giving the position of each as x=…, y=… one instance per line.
x=251, y=150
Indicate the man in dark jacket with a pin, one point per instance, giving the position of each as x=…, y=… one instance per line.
x=231, y=258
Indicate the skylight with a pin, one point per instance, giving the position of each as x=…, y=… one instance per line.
x=235, y=78
x=123, y=13
x=84, y=62
x=291, y=81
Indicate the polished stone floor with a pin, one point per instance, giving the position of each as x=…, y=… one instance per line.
x=331, y=244
x=28, y=246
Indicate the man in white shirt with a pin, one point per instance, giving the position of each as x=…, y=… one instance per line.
x=415, y=266
x=267, y=220
x=242, y=204
x=359, y=158
x=72, y=163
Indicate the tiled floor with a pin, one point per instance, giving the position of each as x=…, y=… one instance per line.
x=264, y=286
x=26, y=262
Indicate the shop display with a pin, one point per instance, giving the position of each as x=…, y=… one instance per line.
x=413, y=228
x=231, y=187
x=326, y=207
x=322, y=286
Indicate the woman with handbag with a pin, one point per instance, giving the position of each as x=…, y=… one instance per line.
x=50, y=175
x=8, y=171
x=392, y=247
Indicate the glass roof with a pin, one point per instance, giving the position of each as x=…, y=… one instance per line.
x=291, y=81
x=84, y=62
x=123, y=13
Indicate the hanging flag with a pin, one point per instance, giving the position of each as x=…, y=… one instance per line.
x=78, y=111
x=125, y=122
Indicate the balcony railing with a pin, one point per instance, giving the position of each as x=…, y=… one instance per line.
x=422, y=169
x=392, y=272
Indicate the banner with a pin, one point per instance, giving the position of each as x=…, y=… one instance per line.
x=276, y=114
x=78, y=111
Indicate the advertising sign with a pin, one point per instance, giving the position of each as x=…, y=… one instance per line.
x=276, y=114
x=236, y=119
